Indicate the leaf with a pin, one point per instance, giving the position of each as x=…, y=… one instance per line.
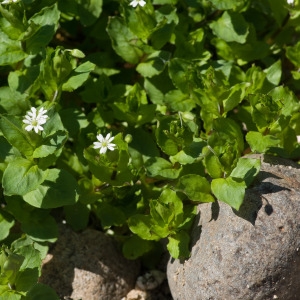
x=172, y=135
x=26, y=279
x=292, y=53
x=41, y=291
x=78, y=76
x=58, y=189
x=6, y=223
x=135, y=108
x=154, y=63
x=40, y=227
x=229, y=190
x=161, y=168
x=178, y=245
x=140, y=22
x=183, y=75
x=36, y=223
x=11, y=51
x=231, y=27
x=22, y=176
x=229, y=4
x=89, y=11
x=13, y=131
x=12, y=102
x=141, y=225
x=236, y=95
x=177, y=101
x=110, y=215
x=261, y=143
x=42, y=27
x=274, y=73
x=135, y=247
x=124, y=42
x=246, y=169
x=51, y=145
x=167, y=209
x=196, y=187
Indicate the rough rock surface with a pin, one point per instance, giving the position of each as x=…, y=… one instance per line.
x=253, y=256
x=88, y=266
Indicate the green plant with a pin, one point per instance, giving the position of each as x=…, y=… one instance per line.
x=181, y=90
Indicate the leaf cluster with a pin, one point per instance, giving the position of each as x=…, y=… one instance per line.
x=187, y=89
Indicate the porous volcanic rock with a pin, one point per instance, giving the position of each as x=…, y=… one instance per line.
x=88, y=266
x=252, y=254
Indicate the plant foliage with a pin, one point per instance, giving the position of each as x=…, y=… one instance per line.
x=186, y=88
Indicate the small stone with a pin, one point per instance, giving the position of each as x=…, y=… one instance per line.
x=88, y=266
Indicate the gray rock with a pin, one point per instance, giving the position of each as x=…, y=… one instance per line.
x=88, y=266
x=252, y=254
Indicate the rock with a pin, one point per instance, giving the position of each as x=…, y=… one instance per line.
x=252, y=254
x=88, y=266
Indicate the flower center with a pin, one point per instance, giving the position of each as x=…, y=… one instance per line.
x=34, y=122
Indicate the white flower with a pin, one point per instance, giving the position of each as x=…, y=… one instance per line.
x=9, y=1
x=291, y=2
x=135, y=3
x=104, y=143
x=35, y=119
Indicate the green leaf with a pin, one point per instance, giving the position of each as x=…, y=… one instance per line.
x=12, y=102
x=264, y=110
x=140, y=21
x=135, y=108
x=10, y=264
x=166, y=210
x=110, y=215
x=229, y=4
x=42, y=27
x=196, y=187
x=261, y=143
x=229, y=190
x=172, y=135
x=58, y=189
x=78, y=76
x=154, y=63
x=236, y=95
x=36, y=223
x=40, y=227
x=124, y=42
x=183, y=75
x=89, y=11
x=51, y=145
x=231, y=27
x=212, y=164
x=6, y=223
x=11, y=51
x=22, y=176
x=177, y=101
x=32, y=258
x=274, y=72
x=135, y=247
x=292, y=53
x=41, y=291
x=7, y=294
x=13, y=131
x=246, y=169
x=178, y=245
x=26, y=279
x=286, y=100
x=141, y=225
x=161, y=168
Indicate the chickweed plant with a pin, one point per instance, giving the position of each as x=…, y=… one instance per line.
x=125, y=115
